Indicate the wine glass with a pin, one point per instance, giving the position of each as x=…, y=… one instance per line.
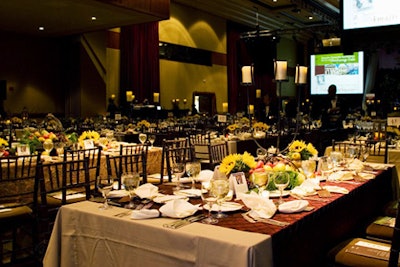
x=110, y=136
x=308, y=167
x=208, y=199
x=48, y=145
x=152, y=139
x=178, y=169
x=325, y=167
x=193, y=169
x=336, y=157
x=104, y=185
x=220, y=189
x=281, y=181
x=130, y=181
x=365, y=153
x=59, y=146
x=142, y=138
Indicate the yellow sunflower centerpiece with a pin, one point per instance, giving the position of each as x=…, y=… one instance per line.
x=237, y=163
x=300, y=150
x=88, y=135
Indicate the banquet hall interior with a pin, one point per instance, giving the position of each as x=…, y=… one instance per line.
x=232, y=79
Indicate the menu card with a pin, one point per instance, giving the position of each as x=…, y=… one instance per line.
x=371, y=250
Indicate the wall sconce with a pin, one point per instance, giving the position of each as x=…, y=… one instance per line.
x=258, y=93
x=301, y=75
x=251, y=109
x=129, y=96
x=156, y=97
x=225, y=107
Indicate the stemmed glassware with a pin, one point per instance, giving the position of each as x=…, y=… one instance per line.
x=110, y=136
x=325, y=166
x=308, y=167
x=193, y=169
x=281, y=180
x=152, y=139
x=105, y=185
x=178, y=169
x=142, y=138
x=208, y=199
x=130, y=181
x=220, y=189
x=48, y=146
x=59, y=146
x=365, y=153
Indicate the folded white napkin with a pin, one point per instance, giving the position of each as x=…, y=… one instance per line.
x=5, y=210
x=144, y=214
x=293, y=206
x=341, y=176
x=178, y=208
x=336, y=189
x=366, y=176
x=356, y=165
x=117, y=193
x=147, y=191
x=205, y=175
x=166, y=198
x=308, y=187
x=261, y=207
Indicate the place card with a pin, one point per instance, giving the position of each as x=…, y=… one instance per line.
x=221, y=118
x=238, y=183
x=88, y=143
x=23, y=150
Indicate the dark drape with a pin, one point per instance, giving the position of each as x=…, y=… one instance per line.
x=140, y=72
x=244, y=52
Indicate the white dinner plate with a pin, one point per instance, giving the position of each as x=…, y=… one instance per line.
x=188, y=192
x=276, y=193
x=225, y=207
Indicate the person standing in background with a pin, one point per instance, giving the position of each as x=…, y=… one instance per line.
x=334, y=110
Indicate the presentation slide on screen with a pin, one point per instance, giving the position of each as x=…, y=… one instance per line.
x=345, y=71
x=370, y=13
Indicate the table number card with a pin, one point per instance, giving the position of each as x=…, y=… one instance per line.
x=23, y=150
x=221, y=118
x=88, y=143
x=238, y=183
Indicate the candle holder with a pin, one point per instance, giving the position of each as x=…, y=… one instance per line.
x=247, y=80
x=280, y=74
x=300, y=80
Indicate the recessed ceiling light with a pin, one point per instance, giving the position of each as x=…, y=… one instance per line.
x=94, y=18
x=41, y=28
x=310, y=17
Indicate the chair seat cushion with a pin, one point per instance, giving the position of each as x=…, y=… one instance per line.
x=14, y=212
x=342, y=257
x=379, y=231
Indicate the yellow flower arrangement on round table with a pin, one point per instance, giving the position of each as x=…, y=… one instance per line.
x=237, y=163
x=3, y=142
x=92, y=135
x=299, y=150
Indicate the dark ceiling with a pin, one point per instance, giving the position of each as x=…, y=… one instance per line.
x=63, y=17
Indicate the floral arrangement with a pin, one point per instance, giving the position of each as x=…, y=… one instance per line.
x=261, y=126
x=244, y=120
x=237, y=163
x=232, y=127
x=3, y=142
x=143, y=123
x=93, y=135
x=299, y=150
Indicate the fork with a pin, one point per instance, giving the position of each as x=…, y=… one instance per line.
x=182, y=222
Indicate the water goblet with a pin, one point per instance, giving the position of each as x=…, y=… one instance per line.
x=110, y=136
x=48, y=146
x=336, y=157
x=220, y=189
x=308, y=167
x=142, y=138
x=59, y=146
x=130, y=181
x=281, y=180
x=178, y=169
x=152, y=139
x=105, y=185
x=325, y=167
x=193, y=169
x=208, y=199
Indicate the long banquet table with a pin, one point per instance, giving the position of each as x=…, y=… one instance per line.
x=83, y=235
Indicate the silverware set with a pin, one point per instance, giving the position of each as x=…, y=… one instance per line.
x=251, y=219
x=185, y=221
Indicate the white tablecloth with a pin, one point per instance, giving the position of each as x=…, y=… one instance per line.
x=83, y=235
